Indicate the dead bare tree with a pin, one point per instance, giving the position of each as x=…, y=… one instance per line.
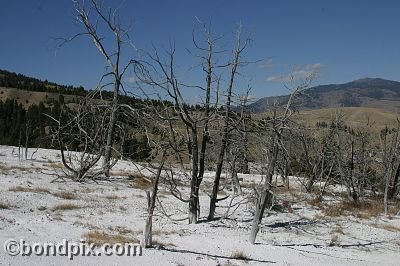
x=275, y=127
x=392, y=169
x=151, y=204
x=317, y=155
x=195, y=122
x=80, y=135
x=97, y=20
x=238, y=145
x=234, y=64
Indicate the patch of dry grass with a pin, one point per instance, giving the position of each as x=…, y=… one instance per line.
x=315, y=201
x=3, y=167
x=4, y=206
x=388, y=227
x=362, y=209
x=335, y=241
x=112, y=197
x=65, y=195
x=121, y=173
x=65, y=207
x=58, y=217
x=141, y=182
x=122, y=230
x=239, y=255
x=20, y=167
x=284, y=189
x=338, y=229
x=28, y=189
x=159, y=243
x=320, y=216
x=87, y=225
x=98, y=238
x=54, y=165
x=159, y=232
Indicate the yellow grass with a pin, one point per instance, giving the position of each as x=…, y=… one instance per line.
x=388, y=227
x=65, y=195
x=112, y=197
x=99, y=238
x=354, y=117
x=239, y=255
x=65, y=207
x=363, y=209
x=28, y=189
x=141, y=183
x=4, y=206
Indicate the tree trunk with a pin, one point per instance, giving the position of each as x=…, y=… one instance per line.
x=194, y=208
x=385, y=195
x=393, y=184
x=220, y=162
x=110, y=130
x=237, y=189
x=265, y=199
x=151, y=200
x=26, y=140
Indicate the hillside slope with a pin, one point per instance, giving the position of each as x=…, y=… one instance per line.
x=367, y=92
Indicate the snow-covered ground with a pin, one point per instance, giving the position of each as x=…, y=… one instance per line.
x=297, y=235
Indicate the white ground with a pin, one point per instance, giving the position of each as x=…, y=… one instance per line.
x=297, y=237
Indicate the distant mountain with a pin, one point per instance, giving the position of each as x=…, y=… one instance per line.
x=366, y=92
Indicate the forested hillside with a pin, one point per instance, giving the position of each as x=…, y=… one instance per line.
x=26, y=115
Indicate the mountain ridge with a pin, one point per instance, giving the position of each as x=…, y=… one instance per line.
x=365, y=92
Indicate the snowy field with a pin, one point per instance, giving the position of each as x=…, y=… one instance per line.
x=36, y=209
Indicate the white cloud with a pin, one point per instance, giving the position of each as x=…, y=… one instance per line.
x=132, y=80
x=299, y=72
x=314, y=66
x=267, y=63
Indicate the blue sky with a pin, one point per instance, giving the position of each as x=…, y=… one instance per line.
x=344, y=40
